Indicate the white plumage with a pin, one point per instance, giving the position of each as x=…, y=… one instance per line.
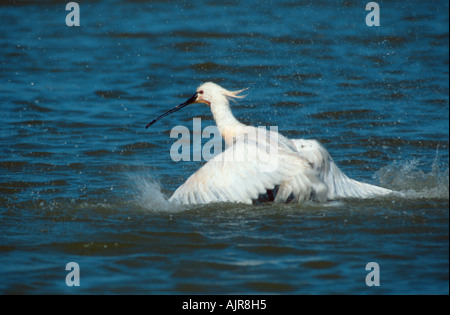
x=245, y=170
x=339, y=185
x=257, y=160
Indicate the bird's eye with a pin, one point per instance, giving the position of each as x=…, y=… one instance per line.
x=200, y=92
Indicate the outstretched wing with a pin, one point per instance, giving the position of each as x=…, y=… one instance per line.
x=339, y=185
x=241, y=173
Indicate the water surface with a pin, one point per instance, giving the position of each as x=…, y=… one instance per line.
x=82, y=180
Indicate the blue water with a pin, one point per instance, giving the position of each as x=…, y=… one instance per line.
x=82, y=180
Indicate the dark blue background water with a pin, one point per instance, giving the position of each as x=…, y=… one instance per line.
x=82, y=180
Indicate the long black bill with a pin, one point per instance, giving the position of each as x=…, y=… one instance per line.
x=173, y=110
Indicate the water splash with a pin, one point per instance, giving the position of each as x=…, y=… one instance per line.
x=413, y=181
x=150, y=197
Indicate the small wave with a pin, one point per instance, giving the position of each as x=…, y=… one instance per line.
x=150, y=197
x=413, y=182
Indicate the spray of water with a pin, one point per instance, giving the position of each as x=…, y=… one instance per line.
x=150, y=197
x=414, y=180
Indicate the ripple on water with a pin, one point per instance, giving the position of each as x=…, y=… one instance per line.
x=33, y=106
x=346, y=115
x=115, y=94
x=142, y=145
x=319, y=264
x=82, y=180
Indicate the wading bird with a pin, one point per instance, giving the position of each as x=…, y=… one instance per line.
x=258, y=161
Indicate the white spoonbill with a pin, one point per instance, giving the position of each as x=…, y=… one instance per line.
x=257, y=161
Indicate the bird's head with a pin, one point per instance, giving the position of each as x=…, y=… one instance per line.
x=205, y=93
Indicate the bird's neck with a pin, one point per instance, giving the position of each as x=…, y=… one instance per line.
x=227, y=124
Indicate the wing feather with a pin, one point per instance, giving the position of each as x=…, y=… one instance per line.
x=338, y=184
x=230, y=177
